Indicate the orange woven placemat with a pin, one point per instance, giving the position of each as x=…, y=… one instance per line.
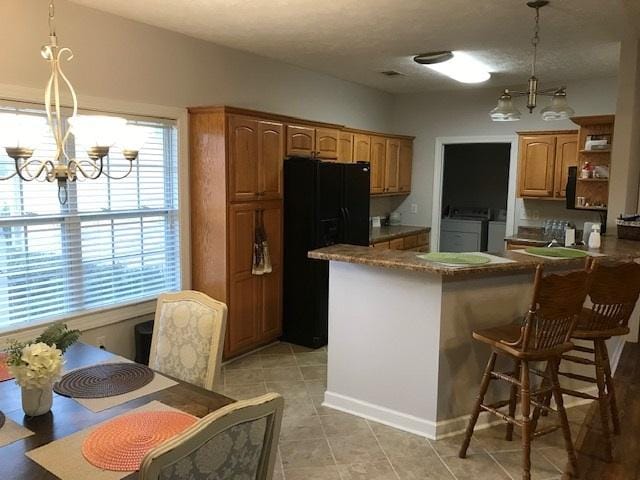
x=4, y=369
x=120, y=445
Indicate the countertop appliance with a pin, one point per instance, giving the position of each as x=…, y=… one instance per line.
x=324, y=203
x=465, y=230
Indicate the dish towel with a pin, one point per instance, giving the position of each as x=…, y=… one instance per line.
x=261, y=257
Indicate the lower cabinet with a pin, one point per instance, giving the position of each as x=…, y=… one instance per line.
x=416, y=242
x=255, y=301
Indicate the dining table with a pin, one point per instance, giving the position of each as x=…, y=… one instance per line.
x=67, y=416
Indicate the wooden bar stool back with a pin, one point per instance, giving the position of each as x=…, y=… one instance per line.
x=613, y=292
x=543, y=337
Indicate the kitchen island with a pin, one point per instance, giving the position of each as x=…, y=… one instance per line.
x=400, y=345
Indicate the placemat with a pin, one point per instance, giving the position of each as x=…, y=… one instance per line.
x=524, y=251
x=104, y=380
x=121, y=444
x=492, y=260
x=64, y=458
x=558, y=252
x=4, y=368
x=159, y=382
x=455, y=258
x=12, y=432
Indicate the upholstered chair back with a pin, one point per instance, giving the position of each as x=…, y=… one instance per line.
x=237, y=442
x=188, y=337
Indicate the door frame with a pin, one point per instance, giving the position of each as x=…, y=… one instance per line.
x=438, y=171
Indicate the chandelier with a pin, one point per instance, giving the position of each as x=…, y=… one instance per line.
x=21, y=135
x=559, y=109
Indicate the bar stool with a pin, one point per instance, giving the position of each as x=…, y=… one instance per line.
x=613, y=292
x=543, y=337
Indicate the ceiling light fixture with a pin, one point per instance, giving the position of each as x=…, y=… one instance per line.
x=21, y=135
x=460, y=66
x=559, y=109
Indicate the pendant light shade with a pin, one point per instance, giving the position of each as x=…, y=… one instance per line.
x=559, y=108
x=505, y=111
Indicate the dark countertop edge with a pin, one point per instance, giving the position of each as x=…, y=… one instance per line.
x=527, y=241
x=410, y=230
x=406, y=260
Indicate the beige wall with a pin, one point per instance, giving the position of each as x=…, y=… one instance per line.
x=121, y=59
x=625, y=160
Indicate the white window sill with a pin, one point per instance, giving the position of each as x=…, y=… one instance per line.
x=83, y=322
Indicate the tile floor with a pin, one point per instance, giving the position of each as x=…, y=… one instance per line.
x=319, y=443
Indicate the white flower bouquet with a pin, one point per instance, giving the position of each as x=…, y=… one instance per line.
x=38, y=366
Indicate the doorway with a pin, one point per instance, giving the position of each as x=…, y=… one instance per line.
x=474, y=193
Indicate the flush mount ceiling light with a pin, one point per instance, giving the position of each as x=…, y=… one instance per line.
x=460, y=66
x=21, y=136
x=559, y=109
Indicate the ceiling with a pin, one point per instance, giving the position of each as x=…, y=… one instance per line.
x=356, y=40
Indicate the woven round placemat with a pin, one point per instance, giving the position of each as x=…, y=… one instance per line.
x=104, y=380
x=120, y=445
x=2, y=419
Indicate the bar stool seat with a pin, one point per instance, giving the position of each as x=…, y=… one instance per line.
x=584, y=330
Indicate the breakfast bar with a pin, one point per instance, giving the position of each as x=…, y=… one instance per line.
x=400, y=345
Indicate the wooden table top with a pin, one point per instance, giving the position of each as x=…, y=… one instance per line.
x=67, y=416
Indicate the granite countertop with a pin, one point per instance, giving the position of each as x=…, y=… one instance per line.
x=612, y=248
x=386, y=233
x=530, y=241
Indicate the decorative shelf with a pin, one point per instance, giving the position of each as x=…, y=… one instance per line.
x=608, y=150
x=593, y=179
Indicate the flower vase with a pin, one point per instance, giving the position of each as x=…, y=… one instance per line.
x=37, y=401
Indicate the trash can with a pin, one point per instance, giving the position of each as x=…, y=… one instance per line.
x=143, y=333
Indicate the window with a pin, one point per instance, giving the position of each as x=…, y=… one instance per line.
x=114, y=242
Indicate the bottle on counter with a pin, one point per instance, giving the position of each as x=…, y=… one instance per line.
x=569, y=235
x=594, y=237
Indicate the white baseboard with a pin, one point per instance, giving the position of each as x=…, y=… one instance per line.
x=377, y=413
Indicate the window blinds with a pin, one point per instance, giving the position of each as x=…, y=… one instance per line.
x=114, y=242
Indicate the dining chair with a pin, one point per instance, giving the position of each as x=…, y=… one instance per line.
x=543, y=337
x=238, y=441
x=188, y=337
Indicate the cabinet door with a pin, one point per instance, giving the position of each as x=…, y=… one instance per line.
x=392, y=163
x=271, y=292
x=396, y=244
x=361, y=148
x=345, y=147
x=301, y=141
x=537, y=158
x=405, y=166
x=378, y=152
x=244, y=313
x=566, y=156
x=327, y=143
x=271, y=153
x=243, y=159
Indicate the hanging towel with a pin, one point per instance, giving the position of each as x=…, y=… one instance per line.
x=261, y=256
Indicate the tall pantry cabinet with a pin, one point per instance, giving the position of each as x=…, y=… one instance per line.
x=236, y=184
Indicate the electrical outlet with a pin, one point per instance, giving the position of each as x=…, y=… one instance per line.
x=414, y=208
x=101, y=342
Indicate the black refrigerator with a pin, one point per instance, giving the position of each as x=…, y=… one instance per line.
x=325, y=203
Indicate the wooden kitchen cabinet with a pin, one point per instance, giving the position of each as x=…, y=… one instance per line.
x=392, y=164
x=345, y=147
x=417, y=242
x=310, y=141
x=405, y=166
x=543, y=162
x=566, y=156
x=361, y=147
x=255, y=159
x=378, y=164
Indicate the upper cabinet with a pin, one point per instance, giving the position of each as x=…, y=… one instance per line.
x=361, y=147
x=345, y=147
x=406, y=163
x=544, y=159
x=310, y=141
x=391, y=163
x=378, y=164
x=256, y=152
